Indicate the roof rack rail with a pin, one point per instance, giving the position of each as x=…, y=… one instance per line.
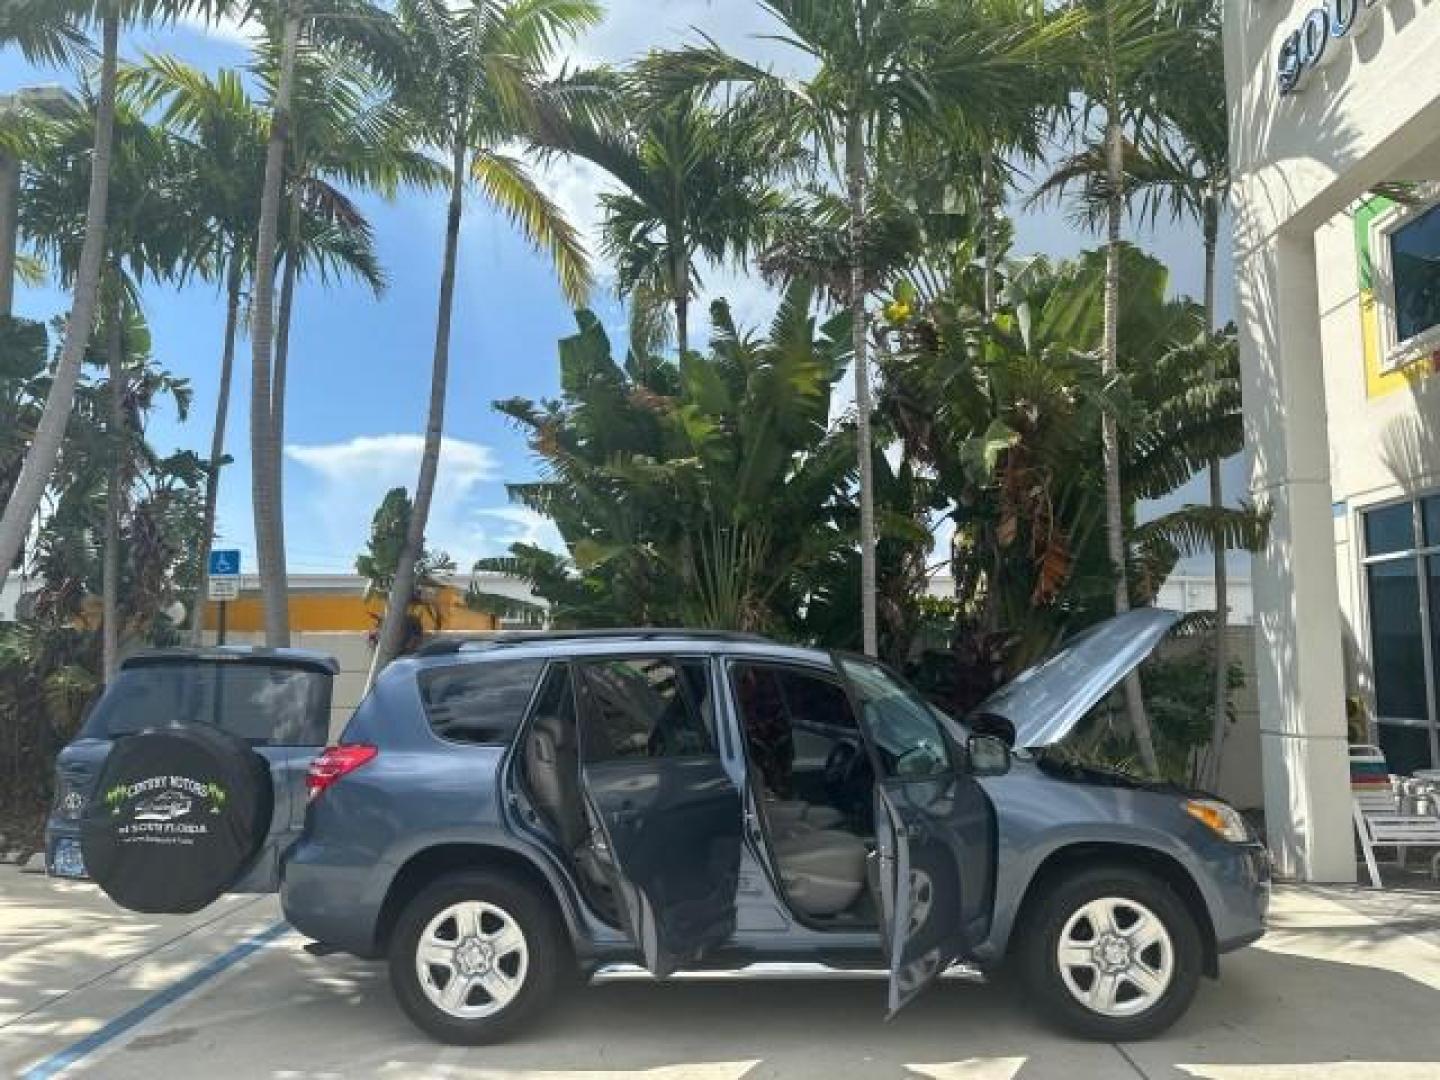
x=502, y=638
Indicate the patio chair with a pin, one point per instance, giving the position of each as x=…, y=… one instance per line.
x=1380, y=817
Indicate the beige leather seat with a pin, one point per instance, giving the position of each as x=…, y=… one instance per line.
x=823, y=870
x=793, y=815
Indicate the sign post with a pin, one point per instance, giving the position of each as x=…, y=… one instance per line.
x=224, y=583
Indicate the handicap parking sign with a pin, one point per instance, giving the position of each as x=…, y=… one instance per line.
x=225, y=563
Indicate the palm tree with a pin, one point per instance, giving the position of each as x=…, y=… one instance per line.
x=875, y=67
x=1110, y=51
x=47, y=30
x=44, y=450
x=868, y=82
x=365, y=33
x=223, y=133
x=474, y=85
x=146, y=236
x=1187, y=164
x=694, y=181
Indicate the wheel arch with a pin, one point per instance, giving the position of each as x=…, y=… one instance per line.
x=437, y=860
x=1087, y=855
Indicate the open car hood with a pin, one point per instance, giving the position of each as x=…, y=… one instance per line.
x=1046, y=701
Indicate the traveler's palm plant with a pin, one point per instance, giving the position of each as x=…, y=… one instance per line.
x=706, y=492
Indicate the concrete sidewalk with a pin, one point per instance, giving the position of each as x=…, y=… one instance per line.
x=1337, y=989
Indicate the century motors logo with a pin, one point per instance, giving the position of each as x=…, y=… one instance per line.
x=164, y=809
x=1317, y=39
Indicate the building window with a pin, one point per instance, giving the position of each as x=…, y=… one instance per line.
x=1415, y=270
x=1406, y=241
x=1402, y=578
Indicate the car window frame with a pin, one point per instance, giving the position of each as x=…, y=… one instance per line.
x=516, y=733
x=579, y=688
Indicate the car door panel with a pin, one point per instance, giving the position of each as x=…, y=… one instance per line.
x=934, y=834
x=668, y=830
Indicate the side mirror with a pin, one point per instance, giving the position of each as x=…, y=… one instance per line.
x=989, y=755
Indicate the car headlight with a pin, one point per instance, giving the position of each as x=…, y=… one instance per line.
x=1221, y=818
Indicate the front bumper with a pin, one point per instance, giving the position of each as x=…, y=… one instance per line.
x=1242, y=885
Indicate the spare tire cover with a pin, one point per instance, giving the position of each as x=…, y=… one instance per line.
x=178, y=815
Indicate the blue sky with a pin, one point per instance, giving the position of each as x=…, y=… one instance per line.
x=360, y=365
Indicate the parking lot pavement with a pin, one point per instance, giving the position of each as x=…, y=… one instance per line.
x=1333, y=991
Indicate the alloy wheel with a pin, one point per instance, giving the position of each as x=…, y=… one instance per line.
x=1116, y=957
x=471, y=959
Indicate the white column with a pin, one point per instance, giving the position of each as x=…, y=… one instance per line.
x=1299, y=669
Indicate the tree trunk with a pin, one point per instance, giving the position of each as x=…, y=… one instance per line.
x=110, y=570
x=397, y=606
x=680, y=283
x=217, y=444
x=9, y=209
x=987, y=214
x=1221, y=691
x=1110, y=434
x=288, y=279
x=855, y=178
x=682, y=323
x=50, y=432
x=264, y=448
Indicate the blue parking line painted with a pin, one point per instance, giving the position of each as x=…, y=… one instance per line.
x=58, y=1062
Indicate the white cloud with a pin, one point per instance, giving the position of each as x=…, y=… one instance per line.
x=227, y=28
x=350, y=478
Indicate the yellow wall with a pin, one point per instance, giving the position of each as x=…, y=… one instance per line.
x=332, y=610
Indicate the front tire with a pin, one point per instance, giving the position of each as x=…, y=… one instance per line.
x=1111, y=954
x=476, y=956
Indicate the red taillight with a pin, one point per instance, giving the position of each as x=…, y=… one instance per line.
x=335, y=762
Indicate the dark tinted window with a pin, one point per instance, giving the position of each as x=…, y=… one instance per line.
x=1396, y=642
x=1415, y=264
x=265, y=704
x=1406, y=747
x=646, y=707
x=479, y=703
x=1390, y=529
x=1430, y=511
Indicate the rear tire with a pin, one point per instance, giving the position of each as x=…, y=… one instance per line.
x=1111, y=954
x=476, y=956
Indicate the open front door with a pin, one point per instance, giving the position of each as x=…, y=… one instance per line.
x=667, y=816
x=933, y=832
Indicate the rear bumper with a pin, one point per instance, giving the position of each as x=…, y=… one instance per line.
x=329, y=899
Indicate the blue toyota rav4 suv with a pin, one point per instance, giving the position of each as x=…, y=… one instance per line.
x=501, y=816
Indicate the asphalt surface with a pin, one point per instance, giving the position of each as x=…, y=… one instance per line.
x=1346, y=984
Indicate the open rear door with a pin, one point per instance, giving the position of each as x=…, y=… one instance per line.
x=666, y=815
x=934, y=839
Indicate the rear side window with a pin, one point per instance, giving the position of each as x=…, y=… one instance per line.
x=479, y=703
x=264, y=704
x=646, y=708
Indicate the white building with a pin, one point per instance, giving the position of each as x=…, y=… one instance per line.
x=1338, y=301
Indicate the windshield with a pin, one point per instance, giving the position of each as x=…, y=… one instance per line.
x=264, y=704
